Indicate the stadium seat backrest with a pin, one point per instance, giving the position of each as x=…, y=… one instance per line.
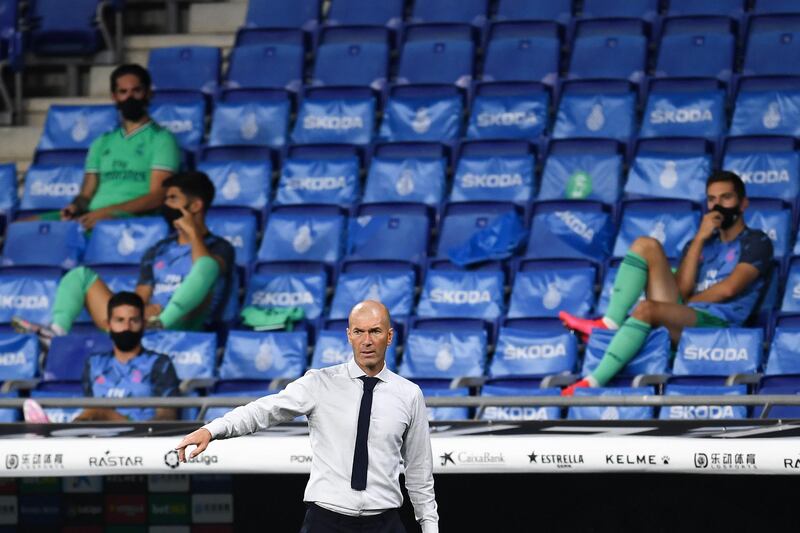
x=240, y=183
x=703, y=412
x=302, y=236
x=352, y=56
x=771, y=218
x=416, y=174
x=319, y=180
x=515, y=110
x=570, y=229
x=263, y=122
x=775, y=6
x=643, y=9
x=462, y=294
x=431, y=354
x=466, y=11
x=266, y=66
x=8, y=187
x=64, y=29
x=784, y=352
x=264, y=355
x=422, y=114
x=366, y=12
x=718, y=352
x=27, y=296
x=68, y=353
x=615, y=49
x=528, y=412
x=767, y=106
x=51, y=186
x=768, y=166
x=529, y=352
x=185, y=68
x=283, y=14
x=387, y=236
x=193, y=353
x=557, y=10
x=19, y=356
x=771, y=40
x=446, y=413
x=670, y=169
x=437, y=53
x=791, y=295
x=585, y=169
x=697, y=47
x=684, y=109
x=461, y=221
x=43, y=243
x=330, y=115
x=76, y=126
x=653, y=357
x=596, y=110
x=727, y=8
x=305, y=290
x=333, y=348
x=611, y=412
x=124, y=241
x=489, y=171
x=544, y=288
x=395, y=290
x=238, y=228
x=671, y=222
x=184, y=117
x=523, y=51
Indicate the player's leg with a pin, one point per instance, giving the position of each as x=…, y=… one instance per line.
x=97, y=298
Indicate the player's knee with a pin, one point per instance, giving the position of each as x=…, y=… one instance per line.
x=645, y=246
x=645, y=311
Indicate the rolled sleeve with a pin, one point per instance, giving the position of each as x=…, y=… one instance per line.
x=418, y=460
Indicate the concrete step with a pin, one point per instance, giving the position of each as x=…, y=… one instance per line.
x=137, y=47
x=35, y=109
x=100, y=80
x=223, y=17
x=18, y=144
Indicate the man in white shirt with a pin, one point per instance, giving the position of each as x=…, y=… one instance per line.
x=359, y=446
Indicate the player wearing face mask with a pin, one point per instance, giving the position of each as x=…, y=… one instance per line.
x=723, y=272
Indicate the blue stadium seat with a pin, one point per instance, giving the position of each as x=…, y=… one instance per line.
x=65, y=29
x=193, y=353
x=236, y=153
x=185, y=68
x=184, y=115
x=406, y=172
x=254, y=357
x=673, y=223
x=238, y=227
x=49, y=187
x=366, y=12
x=436, y=355
x=557, y=10
x=75, y=126
x=604, y=109
x=670, y=168
x=303, y=233
x=123, y=241
x=523, y=51
x=615, y=49
x=769, y=166
x=437, y=53
x=464, y=11
x=643, y=9
x=500, y=413
x=356, y=56
x=526, y=355
x=332, y=348
x=653, y=357
x=574, y=229
x=784, y=352
x=583, y=169
x=286, y=285
x=335, y=115
x=709, y=356
x=9, y=202
x=462, y=294
x=28, y=295
x=67, y=355
x=612, y=412
x=422, y=113
x=319, y=174
x=494, y=171
x=703, y=412
x=697, y=47
x=388, y=232
x=395, y=289
x=432, y=390
x=684, y=108
x=283, y=14
x=727, y=8
x=763, y=7
x=767, y=106
x=509, y=110
x=461, y=220
x=791, y=296
x=771, y=39
x=780, y=384
x=61, y=156
x=248, y=120
x=43, y=244
x=19, y=362
x=253, y=389
x=773, y=218
x=266, y=65
x=542, y=288
x=240, y=183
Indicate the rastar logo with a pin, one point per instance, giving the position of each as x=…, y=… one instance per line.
x=765, y=177
x=534, y=351
x=289, y=299
x=682, y=115
x=445, y=296
x=325, y=183
x=12, y=359
x=491, y=181
x=702, y=412
x=576, y=225
x=55, y=189
x=112, y=461
x=332, y=122
x=697, y=353
x=24, y=302
x=508, y=118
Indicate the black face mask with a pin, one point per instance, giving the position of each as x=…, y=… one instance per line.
x=171, y=214
x=127, y=340
x=729, y=215
x=133, y=109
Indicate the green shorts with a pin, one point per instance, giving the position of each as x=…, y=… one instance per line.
x=707, y=320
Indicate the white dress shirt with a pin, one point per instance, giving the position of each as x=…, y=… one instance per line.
x=331, y=398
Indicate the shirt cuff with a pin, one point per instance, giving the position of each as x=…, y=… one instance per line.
x=430, y=527
x=217, y=428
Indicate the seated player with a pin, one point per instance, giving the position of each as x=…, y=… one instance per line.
x=722, y=275
x=185, y=279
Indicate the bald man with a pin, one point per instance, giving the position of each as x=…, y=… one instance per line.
x=366, y=424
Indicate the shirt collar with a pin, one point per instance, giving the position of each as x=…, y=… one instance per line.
x=137, y=130
x=355, y=372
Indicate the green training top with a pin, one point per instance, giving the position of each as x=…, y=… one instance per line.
x=123, y=162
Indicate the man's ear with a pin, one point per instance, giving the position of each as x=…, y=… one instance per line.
x=745, y=203
x=391, y=337
x=196, y=206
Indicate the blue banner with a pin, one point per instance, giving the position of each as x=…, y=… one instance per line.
x=28, y=297
x=342, y=120
x=51, y=186
x=124, y=241
x=306, y=291
x=476, y=294
x=406, y=180
x=263, y=123
x=703, y=412
x=193, y=354
x=508, y=117
x=595, y=115
x=784, y=354
x=582, y=177
x=653, y=357
x=689, y=114
x=767, y=113
x=522, y=353
x=672, y=229
x=546, y=292
x=571, y=234
x=395, y=290
x=19, y=356
x=718, y=352
x=294, y=237
x=333, y=348
x=435, y=354
x=663, y=175
x=394, y=237
x=319, y=181
x=38, y=243
x=240, y=183
x=270, y=355
x=611, y=412
x=500, y=178
x=75, y=126
x=528, y=412
x=767, y=174
x=239, y=230
x=422, y=119
x=496, y=241
x=185, y=120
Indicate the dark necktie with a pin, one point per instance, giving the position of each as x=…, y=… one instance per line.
x=358, y=480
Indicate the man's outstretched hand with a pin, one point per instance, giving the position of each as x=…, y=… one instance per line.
x=200, y=438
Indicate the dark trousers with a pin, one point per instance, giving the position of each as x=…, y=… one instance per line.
x=319, y=520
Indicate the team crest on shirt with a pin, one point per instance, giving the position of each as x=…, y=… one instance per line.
x=136, y=376
x=730, y=256
x=101, y=379
x=159, y=265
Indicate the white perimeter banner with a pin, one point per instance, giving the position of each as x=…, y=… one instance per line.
x=451, y=455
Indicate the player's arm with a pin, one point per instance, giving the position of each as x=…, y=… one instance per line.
x=144, y=286
x=686, y=276
x=743, y=275
x=80, y=204
x=418, y=460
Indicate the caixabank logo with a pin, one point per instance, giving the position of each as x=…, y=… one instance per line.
x=725, y=461
x=471, y=458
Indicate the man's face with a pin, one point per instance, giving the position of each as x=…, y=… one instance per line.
x=177, y=200
x=369, y=335
x=129, y=86
x=125, y=318
x=722, y=193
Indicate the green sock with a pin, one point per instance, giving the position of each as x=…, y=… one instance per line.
x=71, y=296
x=628, y=286
x=621, y=349
x=191, y=292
